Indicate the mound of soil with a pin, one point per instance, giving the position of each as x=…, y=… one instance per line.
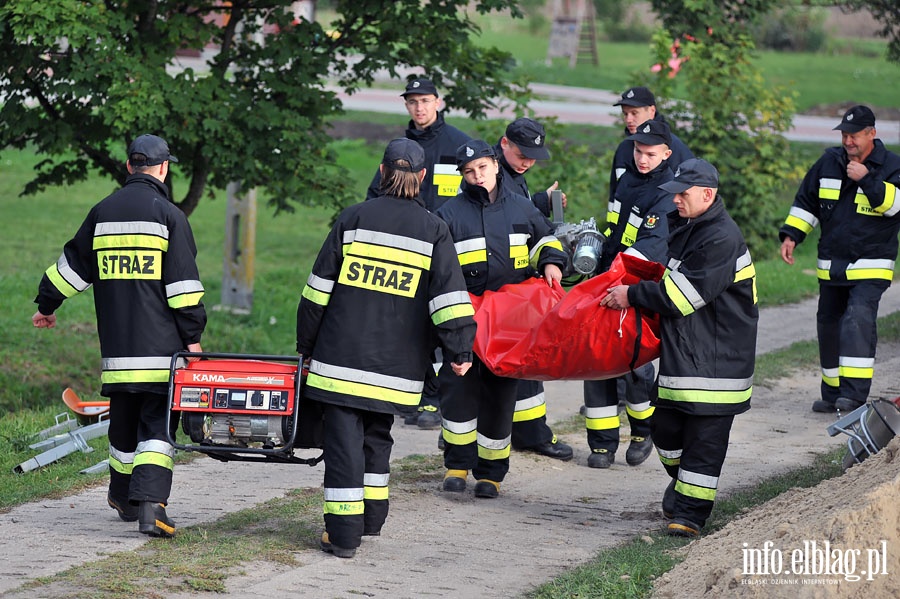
x=837, y=539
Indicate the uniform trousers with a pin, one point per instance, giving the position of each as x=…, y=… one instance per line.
x=847, y=329
x=692, y=449
x=357, y=446
x=530, y=427
x=477, y=411
x=601, y=401
x=141, y=458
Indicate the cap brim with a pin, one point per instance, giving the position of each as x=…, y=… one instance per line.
x=172, y=158
x=534, y=153
x=648, y=139
x=675, y=187
x=848, y=128
x=636, y=103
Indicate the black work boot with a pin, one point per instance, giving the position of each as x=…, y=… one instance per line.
x=154, y=521
x=639, y=450
x=126, y=511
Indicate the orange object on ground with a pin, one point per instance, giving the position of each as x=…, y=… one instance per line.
x=89, y=409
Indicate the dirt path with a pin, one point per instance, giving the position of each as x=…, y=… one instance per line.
x=551, y=515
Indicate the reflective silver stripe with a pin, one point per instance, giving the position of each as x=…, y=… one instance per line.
x=182, y=287
x=635, y=220
x=376, y=480
x=340, y=494
x=704, y=383
x=71, y=277
x=633, y=252
x=142, y=363
x=518, y=239
x=823, y=264
x=671, y=454
x=805, y=216
x=401, y=242
x=348, y=236
x=460, y=428
x=869, y=263
x=446, y=169
x=857, y=362
x=448, y=299
x=619, y=173
x=614, y=206
x=156, y=446
x=700, y=480
x=673, y=264
x=138, y=227
x=530, y=402
x=540, y=245
x=831, y=373
x=489, y=443
x=124, y=457
x=830, y=183
x=743, y=261
x=688, y=290
x=638, y=407
x=369, y=378
x=604, y=412
x=470, y=245
x=320, y=284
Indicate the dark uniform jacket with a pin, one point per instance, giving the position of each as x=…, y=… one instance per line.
x=442, y=180
x=137, y=250
x=708, y=310
x=625, y=156
x=860, y=220
x=637, y=221
x=515, y=182
x=385, y=281
x=503, y=242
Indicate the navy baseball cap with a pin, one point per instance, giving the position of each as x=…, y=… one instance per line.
x=652, y=133
x=406, y=150
x=690, y=173
x=856, y=119
x=420, y=85
x=472, y=150
x=637, y=96
x=528, y=135
x=154, y=148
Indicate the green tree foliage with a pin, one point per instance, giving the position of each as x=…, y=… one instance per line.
x=730, y=116
x=887, y=13
x=79, y=79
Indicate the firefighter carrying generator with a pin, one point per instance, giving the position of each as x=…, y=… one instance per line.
x=243, y=407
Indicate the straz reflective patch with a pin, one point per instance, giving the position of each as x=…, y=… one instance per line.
x=129, y=264
x=379, y=276
x=521, y=262
x=447, y=179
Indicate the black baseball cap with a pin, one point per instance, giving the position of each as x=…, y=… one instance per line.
x=692, y=172
x=528, y=135
x=154, y=148
x=472, y=150
x=420, y=85
x=856, y=119
x=637, y=96
x=652, y=133
x=403, y=149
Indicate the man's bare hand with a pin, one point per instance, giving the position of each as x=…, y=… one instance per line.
x=616, y=298
x=787, y=250
x=43, y=321
x=460, y=369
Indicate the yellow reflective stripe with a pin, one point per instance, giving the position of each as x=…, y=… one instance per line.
x=694, y=491
x=486, y=453
x=803, y=226
x=362, y=390
x=459, y=438
x=120, y=467
x=831, y=377
x=60, y=283
x=548, y=241
x=152, y=458
x=640, y=414
x=670, y=461
x=705, y=395
x=857, y=368
x=459, y=311
x=829, y=189
x=530, y=413
x=344, y=508
x=473, y=257
x=134, y=376
x=678, y=298
x=317, y=297
x=380, y=252
x=601, y=424
x=890, y=206
x=857, y=274
x=629, y=236
x=185, y=300
x=148, y=242
x=376, y=493
x=745, y=273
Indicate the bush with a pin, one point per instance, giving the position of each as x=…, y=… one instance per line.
x=793, y=29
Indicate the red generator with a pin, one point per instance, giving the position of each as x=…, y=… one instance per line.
x=243, y=407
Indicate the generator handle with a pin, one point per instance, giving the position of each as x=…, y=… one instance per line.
x=178, y=362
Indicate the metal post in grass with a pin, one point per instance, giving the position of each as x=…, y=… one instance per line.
x=240, y=250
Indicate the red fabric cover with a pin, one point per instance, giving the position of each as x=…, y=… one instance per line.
x=532, y=331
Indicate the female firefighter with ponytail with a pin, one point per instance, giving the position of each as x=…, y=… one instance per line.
x=385, y=284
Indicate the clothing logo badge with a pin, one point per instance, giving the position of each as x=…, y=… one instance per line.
x=630, y=94
x=537, y=140
x=651, y=221
x=678, y=172
x=416, y=84
x=469, y=152
x=850, y=117
x=646, y=129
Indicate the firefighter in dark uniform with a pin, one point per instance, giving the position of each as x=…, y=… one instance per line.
x=636, y=225
x=638, y=106
x=852, y=192
x=439, y=140
x=385, y=284
x=708, y=317
x=137, y=250
x=518, y=150
x=500, y=238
